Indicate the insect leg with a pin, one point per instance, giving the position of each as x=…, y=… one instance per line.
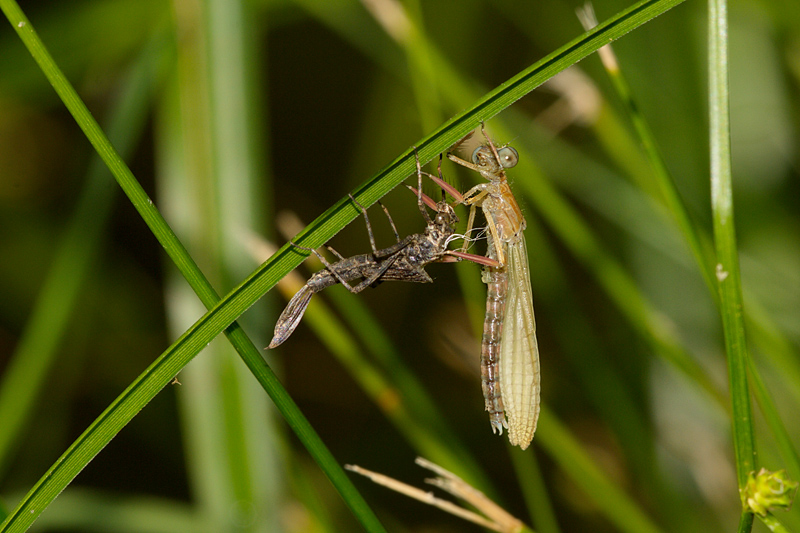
x=379, y=271
x=366, y=219
x=391, y=222
x=425, y=199
x=334, y=268
x=441, y=176
x=489, y=142
x=421, y=205
x=455, y=159
x=449, y=189
x=498, y=244
x=311, y=250
x=334, y=252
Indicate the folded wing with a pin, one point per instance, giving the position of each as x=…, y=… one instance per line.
x=519, y=351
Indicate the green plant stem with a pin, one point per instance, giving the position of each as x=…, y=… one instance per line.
x=728, y=277
x=745, y=523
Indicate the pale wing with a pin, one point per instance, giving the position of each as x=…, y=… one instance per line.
x=519, y=352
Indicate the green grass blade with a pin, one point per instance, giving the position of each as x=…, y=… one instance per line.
x=579, y=237
x=158, y=375
x=728, y=276
x=564, y=219
x=483, y=109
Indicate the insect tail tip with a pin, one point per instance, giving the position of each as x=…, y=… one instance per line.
x=523, y=443
x=274, y=343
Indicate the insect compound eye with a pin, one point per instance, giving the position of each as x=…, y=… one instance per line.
x=508, y=157
x=479, y=155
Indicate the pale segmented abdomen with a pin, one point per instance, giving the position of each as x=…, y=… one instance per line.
x=496, y=280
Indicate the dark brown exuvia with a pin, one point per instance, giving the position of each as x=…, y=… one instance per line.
x=404, y=261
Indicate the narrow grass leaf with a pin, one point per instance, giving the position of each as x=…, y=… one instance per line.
x=727, y=271
x=727, y=268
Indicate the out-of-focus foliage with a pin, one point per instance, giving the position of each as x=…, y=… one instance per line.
x=633, y=360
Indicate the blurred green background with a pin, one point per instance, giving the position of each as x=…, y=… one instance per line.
x=232, y=114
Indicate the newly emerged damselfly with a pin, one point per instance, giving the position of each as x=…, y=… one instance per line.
x=509, y=351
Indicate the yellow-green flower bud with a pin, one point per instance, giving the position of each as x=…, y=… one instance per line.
x=767, y=490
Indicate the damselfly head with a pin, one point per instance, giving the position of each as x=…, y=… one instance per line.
x=483, y=157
